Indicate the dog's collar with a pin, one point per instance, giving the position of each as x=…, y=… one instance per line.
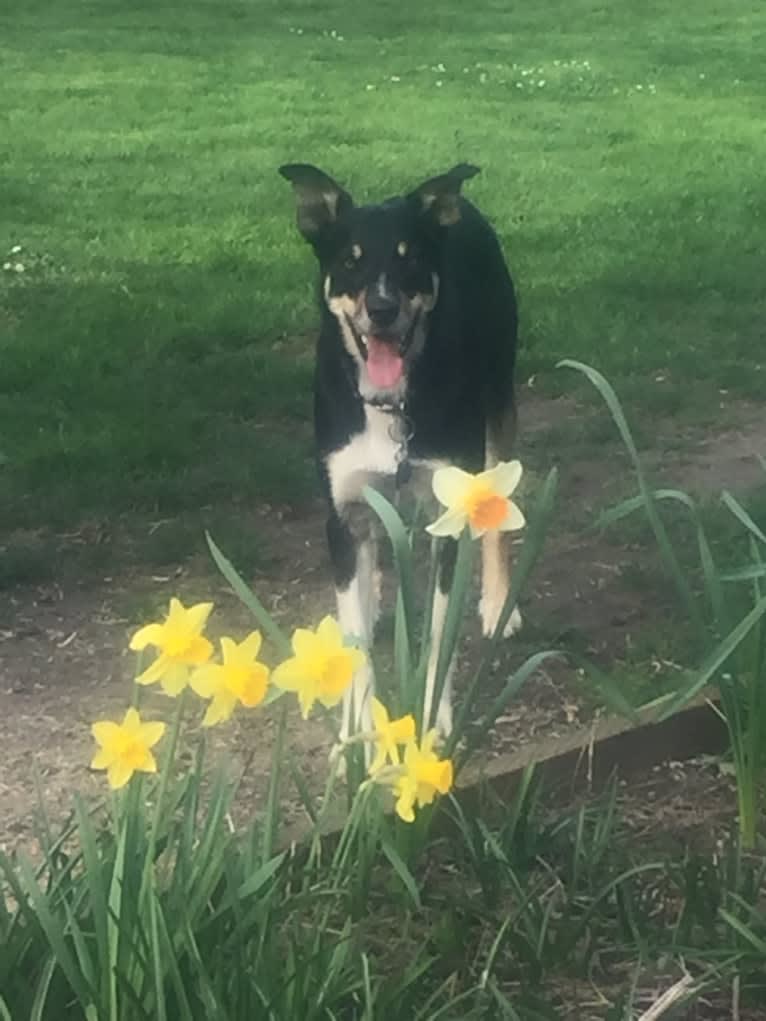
x=386, y=404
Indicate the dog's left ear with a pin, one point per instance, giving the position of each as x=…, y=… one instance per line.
x=439, y=196
x=321, y=201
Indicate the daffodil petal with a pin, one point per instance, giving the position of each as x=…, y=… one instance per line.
x=379, y=714
x=402, y=730
x=329, y=631
x=105, y=731
x=174, y=679
x=206, y=680
x=405, y=803
x=103, y=758
x=118, y=774
x=196, y=616
x=149, y=635
x=357, y=658
x=304, y=642
x=228, y=650
x=199, y=651
x=254, y=690
x=154, y=671
x=176, y=609
x=219, y=710
x=504, y=477
x=289, y=675
x=148, y=763
x=330, y=698
x=151, y=733
x=306, y=701
x=251, y=646
x=131, y=721
x=449, y=485
x=452, y=522
x=513, y=520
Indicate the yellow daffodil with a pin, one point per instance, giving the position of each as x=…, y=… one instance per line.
x=322, y=667
x=125, y=747
x=388, y=735
x=423, y=776
x=181, y=646
x=480, y=501
x=240, y=678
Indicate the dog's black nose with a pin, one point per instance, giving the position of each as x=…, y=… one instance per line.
x=382, y=309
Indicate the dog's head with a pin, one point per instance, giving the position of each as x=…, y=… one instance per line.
x=380, y=266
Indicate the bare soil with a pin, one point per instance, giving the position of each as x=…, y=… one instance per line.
x=63, y=644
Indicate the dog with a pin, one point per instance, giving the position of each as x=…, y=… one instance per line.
x=414, y=370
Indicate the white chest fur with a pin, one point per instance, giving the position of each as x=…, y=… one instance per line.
x=370, y=454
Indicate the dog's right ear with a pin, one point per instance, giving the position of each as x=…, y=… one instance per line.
x=321, y=201
x=439, y=197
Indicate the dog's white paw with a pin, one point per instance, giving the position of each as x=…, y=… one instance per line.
x=489, y=611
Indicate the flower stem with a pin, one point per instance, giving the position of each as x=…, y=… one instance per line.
x=167, y=764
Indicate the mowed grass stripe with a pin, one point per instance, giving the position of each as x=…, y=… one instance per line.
x=156, y=349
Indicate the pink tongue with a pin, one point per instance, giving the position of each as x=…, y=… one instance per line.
x=384, y=364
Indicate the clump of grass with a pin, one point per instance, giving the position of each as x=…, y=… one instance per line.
x=725, y=618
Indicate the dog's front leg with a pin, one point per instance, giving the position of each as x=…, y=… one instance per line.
x=439, y=612
x=354, y=572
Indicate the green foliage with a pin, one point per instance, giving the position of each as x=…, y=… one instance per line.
x=728, y=627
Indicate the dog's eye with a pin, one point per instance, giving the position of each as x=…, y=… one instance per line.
x=350, y=263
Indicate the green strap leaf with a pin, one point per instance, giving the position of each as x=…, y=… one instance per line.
x=716, y=659
x=251, y=601
x=400, y=868
x=54, y=933
x=741, y=514
x=671, y=561
x=400, y=544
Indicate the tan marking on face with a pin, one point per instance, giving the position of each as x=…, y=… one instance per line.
x=402, y=248
x=424, y=301
x=343, y=306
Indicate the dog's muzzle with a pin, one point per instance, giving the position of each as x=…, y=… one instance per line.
x=384, y=352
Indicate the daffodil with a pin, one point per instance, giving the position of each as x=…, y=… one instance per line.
x=321, y=669
x=388, y=735
x=480, y=501
x=240, y=678
x=421, y=778
x=125, y=747
x=181, y=646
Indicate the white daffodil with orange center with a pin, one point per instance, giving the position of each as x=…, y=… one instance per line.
x=482, y=501
x=181, y=646
x=125, y=748
x=240, y=678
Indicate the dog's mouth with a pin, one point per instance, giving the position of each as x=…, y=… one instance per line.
x=384, y=355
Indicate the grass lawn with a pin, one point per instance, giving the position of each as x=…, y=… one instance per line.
x=156, y=345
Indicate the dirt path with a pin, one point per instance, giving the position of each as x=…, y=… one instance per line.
x=63, y=658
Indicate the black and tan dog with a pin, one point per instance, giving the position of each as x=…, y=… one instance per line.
x=414, y=370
